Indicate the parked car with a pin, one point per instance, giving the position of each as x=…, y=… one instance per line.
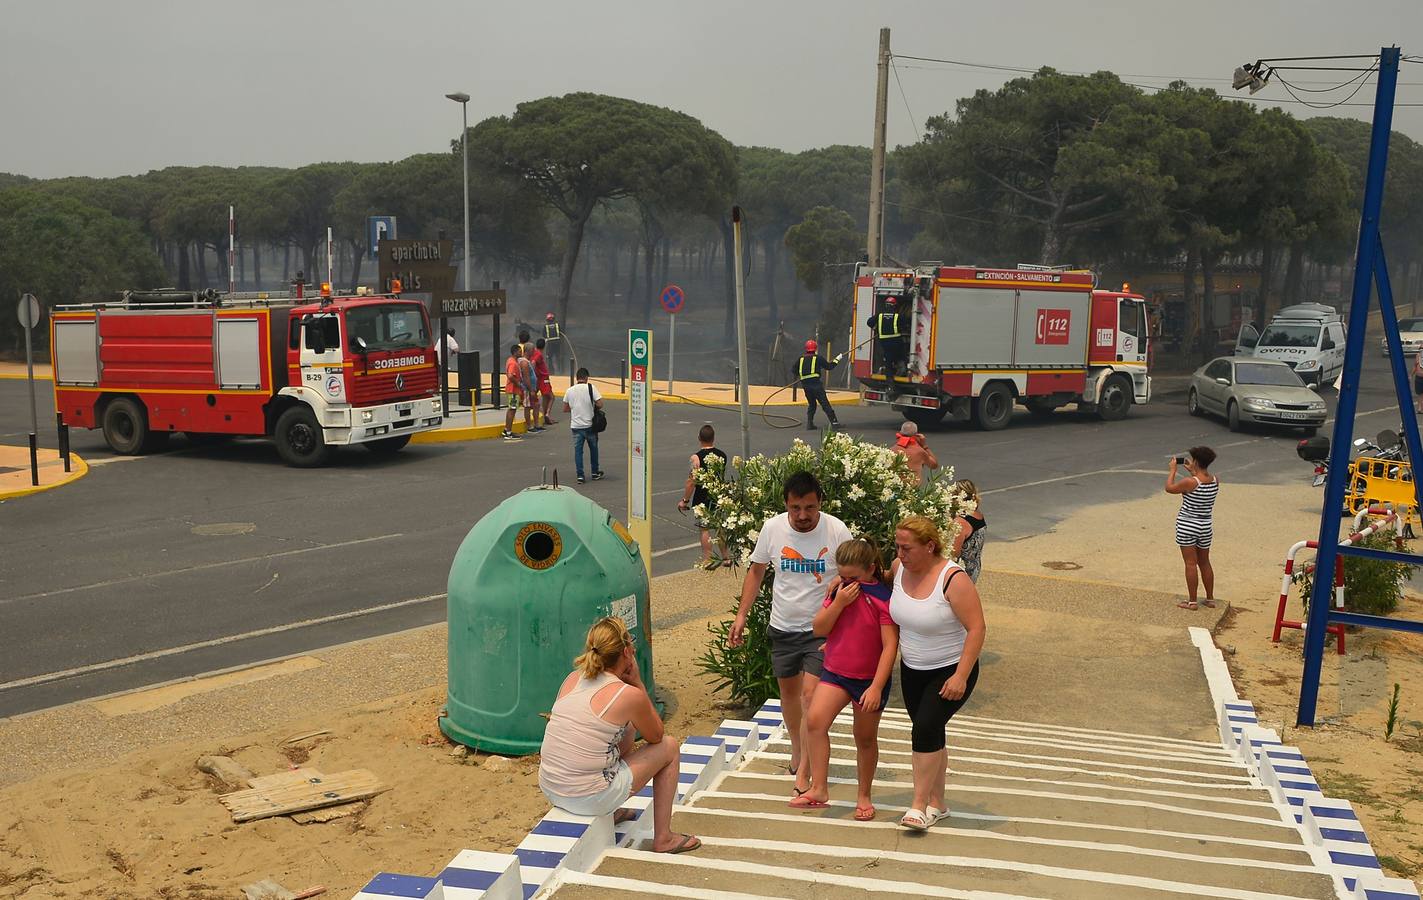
x=1410, y=335
x=1248, y=389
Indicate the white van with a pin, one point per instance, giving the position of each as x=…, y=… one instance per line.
x=1308, y=336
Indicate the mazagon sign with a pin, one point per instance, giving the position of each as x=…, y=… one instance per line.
x=469, y=303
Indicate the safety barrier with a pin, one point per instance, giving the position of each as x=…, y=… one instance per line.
x=1387, y=518
x=1382, y=483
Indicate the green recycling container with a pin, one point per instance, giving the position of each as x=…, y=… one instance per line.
x=528, y=581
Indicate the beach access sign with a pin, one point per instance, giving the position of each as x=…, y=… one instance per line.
x=640, y=441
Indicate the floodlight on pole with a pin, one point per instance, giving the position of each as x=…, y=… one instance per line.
x=1252, y=75
x=463, y=100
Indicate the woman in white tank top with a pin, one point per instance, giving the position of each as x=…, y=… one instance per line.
x=587, y=765
x=941, y=632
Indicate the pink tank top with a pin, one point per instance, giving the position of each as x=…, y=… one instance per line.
x=580, y=748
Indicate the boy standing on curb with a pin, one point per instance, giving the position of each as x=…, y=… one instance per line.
x=544, y=401
x=514, y=385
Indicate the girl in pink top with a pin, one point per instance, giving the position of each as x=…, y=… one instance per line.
x=860, y=647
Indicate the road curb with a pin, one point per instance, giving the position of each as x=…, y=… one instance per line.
x=852, y=400
x=80, y=469
x=456, y=435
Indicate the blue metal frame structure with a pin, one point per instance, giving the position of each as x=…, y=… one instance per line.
x=1370, y=271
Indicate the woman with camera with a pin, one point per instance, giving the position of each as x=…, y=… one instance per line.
x=1195, y=523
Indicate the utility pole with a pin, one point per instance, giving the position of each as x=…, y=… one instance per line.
x=875, y=242
x=742, y=377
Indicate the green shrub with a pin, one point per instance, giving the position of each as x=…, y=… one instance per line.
x=743, y=672
x=1371, y=586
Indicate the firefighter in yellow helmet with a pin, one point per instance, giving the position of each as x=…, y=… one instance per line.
x=808, y=371
x=890, y=329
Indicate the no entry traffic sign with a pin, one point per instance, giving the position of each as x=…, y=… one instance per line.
x=673, y=298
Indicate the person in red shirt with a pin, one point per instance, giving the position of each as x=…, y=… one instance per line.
x=861, y=644
x=540, y=361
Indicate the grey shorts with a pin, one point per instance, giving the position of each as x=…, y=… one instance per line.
x=794, y=652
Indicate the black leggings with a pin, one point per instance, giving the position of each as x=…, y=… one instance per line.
x=929, y=712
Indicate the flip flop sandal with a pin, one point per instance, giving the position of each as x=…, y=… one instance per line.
x=803, y=802
x=865, y=813
x=688, y=843
x=624, y=815
x=914, y=819
x=1208, y=604
x=1186, y=604
x=933, y=815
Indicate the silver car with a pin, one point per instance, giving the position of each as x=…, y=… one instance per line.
x=1247, y=390
x=1410, y=336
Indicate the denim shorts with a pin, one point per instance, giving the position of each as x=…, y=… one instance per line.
x=608, y=800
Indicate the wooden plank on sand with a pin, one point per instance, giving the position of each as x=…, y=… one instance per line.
x=314, y=792
x=283, y=779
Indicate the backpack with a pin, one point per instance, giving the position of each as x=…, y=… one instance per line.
x=600, y=419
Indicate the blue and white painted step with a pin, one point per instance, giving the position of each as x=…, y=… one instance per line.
x=561, y=839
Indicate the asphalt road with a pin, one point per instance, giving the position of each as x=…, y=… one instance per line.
x=192, y=560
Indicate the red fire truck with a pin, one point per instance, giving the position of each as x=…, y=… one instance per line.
x=310, y=372
x=980, y=340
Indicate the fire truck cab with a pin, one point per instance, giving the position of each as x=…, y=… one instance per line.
x=310, y=372
x=978, y=341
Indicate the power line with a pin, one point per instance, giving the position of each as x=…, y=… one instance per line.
x=1149, y=87
x=1304, y=90
x=895, y=69
x=1363, y=80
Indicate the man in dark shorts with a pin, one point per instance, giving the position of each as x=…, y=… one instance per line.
x=799, y=547
x=693, y=495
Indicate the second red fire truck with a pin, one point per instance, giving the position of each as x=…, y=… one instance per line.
x=311, y=372
x=978, y=341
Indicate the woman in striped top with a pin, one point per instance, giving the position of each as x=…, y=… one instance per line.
x=1195, y=524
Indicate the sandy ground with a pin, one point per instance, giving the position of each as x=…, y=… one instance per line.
x=102, y=799
x=1131, y=543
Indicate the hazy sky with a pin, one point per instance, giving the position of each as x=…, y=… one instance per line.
x=108, y=88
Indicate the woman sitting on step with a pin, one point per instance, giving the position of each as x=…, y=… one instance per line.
x=588, y=766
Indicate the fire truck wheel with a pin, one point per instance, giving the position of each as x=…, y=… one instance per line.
x=126, y=426
x=1116, y=399
x=388, y=446
x=994, y=407
x=299, y=439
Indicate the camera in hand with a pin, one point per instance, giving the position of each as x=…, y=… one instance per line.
x=1180, y=460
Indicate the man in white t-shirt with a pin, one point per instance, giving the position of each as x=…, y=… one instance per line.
x=452, y=350
x=800, y=545
x=579, y=401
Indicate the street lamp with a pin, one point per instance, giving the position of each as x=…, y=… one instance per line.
x=463, y=100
